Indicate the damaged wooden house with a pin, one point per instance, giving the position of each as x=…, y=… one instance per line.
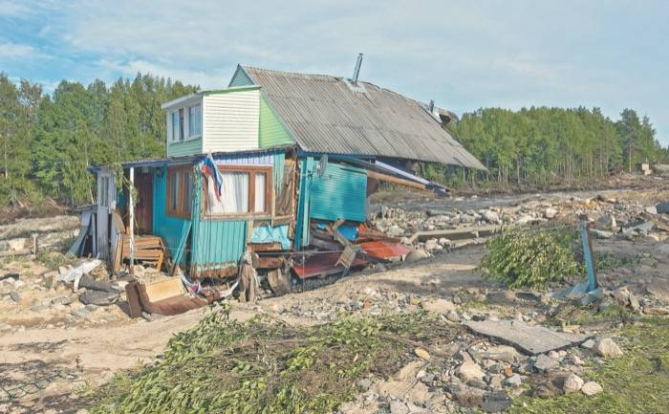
x=279, y=164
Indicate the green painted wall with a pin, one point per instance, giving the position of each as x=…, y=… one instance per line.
x=272, y=132
x=179, y=149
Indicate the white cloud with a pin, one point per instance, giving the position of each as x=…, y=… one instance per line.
x=17, y=51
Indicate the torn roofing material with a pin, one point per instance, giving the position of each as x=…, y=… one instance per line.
x=325, y=115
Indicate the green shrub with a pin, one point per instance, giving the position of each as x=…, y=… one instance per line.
x=532, y=258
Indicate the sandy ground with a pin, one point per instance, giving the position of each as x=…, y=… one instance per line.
x=92, y=355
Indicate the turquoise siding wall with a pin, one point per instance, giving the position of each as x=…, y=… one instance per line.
x=340, y=193
x=171, y=229
x=272, y=132
x=215, y=242
x=179, y=149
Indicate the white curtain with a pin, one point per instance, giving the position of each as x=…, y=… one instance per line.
x=234, y=194
x=261, y=191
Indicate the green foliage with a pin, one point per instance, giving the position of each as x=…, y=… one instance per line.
x=263, y=366
x=543, y=145
x=47, y=143
x=636, y=383
x=530, y=258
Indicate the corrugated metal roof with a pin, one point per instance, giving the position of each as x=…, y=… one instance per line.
x=325, y=115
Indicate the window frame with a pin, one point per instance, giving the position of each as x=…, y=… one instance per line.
x=190, y=121
x=181, y=171
x=252, y=170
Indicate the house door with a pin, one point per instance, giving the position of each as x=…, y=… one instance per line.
x=144, y=205
x=106, y=203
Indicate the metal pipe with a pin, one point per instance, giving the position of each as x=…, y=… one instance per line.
x=356, y=71
x=131, y=225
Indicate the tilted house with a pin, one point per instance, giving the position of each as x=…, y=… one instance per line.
x=295, y=152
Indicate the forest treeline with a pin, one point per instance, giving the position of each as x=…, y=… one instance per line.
x=47, y=142
x=538, y=146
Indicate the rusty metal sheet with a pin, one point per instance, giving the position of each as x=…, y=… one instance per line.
x=380, y=249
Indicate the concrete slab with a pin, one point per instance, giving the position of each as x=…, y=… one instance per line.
x=532, y=340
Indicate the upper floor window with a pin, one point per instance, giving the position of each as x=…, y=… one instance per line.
x=177, y=125
x=195, y=121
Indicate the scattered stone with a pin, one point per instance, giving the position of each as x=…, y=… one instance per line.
x=514, y=380
x=495, y=402
x=573, y=383
x=607, y=348
x=607, y=221
x=589, y=344
x=16, y=296
x=471, y=373
x=663, y=208
x=416, y=255
x=550, y=213
x=453, y=316
x=491, y=217
x=601, y=234
x=422, y=354
x=502, y=353
x=439, y=305
x=365, y=383
x=545, y=363
x=147, y=316
x=398, y=407
x=591, y=388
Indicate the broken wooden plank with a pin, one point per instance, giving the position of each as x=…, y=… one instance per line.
x=533, y=340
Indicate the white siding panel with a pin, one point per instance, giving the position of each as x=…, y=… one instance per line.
x=231, y=121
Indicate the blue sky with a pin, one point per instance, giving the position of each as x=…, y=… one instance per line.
x=463, y=54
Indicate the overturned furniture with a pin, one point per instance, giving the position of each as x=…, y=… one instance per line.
x=164, y=297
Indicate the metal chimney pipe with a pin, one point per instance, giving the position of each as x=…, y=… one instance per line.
x=356, y=71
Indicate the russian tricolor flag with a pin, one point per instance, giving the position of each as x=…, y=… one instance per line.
x=209, y=168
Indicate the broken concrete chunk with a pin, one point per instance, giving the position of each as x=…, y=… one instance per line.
x=533, y=340
x=607, y=348
x=607, y=222
x=545, y=363
x=503, y=353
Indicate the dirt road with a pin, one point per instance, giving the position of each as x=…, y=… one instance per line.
x=89, y=357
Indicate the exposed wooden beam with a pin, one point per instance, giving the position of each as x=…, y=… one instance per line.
x=395, y=180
